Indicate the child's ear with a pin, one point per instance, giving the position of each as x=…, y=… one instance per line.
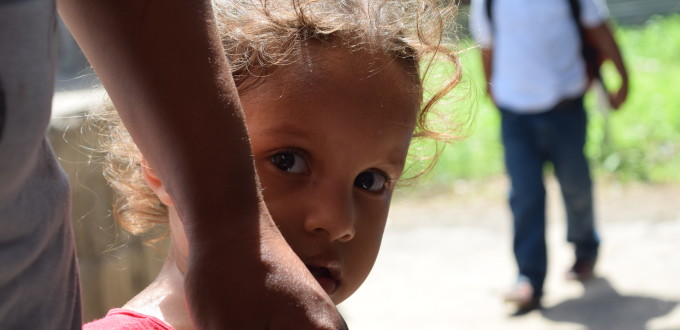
x=155, y=184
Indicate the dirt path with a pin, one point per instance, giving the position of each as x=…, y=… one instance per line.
x=446, y=260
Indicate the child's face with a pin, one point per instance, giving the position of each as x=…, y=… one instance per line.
x=330, y=136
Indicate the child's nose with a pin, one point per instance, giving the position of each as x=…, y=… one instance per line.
x=332, y=214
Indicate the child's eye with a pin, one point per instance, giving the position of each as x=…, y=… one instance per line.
x=289, y=162
x=371, y=180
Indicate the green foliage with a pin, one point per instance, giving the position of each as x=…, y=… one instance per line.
x=644, y=135
x=639, y=142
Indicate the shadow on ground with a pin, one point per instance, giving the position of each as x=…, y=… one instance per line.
x=602, y=308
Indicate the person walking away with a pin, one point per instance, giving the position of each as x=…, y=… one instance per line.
x=536, y=76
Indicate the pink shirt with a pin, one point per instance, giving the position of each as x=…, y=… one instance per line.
x=125, y=319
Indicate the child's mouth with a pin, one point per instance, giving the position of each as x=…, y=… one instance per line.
x=325, y=278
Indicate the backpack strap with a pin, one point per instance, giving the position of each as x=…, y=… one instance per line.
x=575, y=7
x=489, y=12
x=591, y=56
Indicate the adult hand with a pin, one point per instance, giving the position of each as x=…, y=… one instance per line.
x=268, y=286
x=617, y=98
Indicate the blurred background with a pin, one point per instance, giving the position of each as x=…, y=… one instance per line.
x=446, y=255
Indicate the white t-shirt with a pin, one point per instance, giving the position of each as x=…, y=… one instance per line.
x=537, y=57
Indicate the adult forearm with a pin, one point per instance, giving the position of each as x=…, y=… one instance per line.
x=487, y=54
x=162, y=64
x=604, y=40
x=487, y=58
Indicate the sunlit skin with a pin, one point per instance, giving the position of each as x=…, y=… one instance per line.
x=329, y=136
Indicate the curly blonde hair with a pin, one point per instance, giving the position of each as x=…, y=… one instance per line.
x=260, y=35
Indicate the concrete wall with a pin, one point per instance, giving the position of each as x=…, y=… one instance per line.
x=633, y=12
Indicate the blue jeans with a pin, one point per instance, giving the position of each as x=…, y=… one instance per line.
x=531, y=140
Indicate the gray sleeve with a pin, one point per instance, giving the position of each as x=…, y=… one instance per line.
x=38, y=274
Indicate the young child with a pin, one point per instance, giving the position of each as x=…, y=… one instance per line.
x=332, y=94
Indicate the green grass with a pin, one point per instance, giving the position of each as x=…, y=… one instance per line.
x=639, y=142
